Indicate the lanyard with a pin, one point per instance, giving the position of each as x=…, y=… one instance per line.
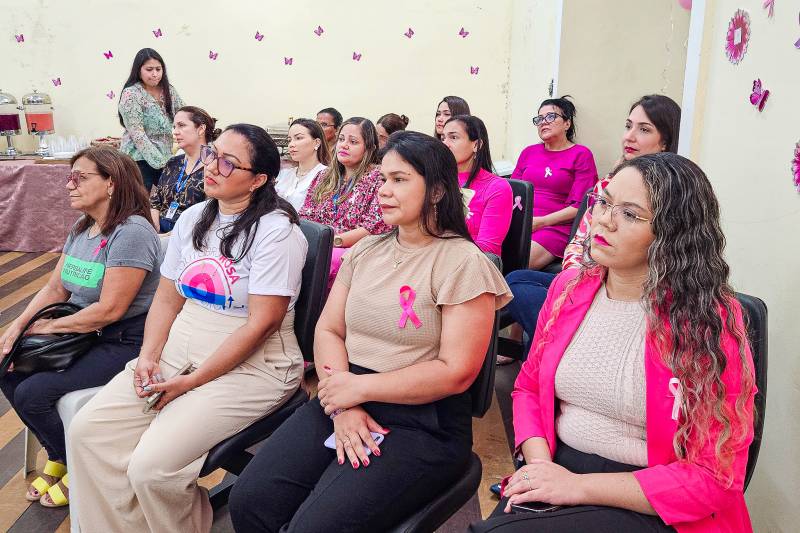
x=181, y=180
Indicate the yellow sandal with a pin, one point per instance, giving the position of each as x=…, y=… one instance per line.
x=56, y=494
x=51, y=468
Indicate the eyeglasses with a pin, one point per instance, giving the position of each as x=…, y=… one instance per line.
x=547, y=118
x=599, y=206
x=324, y=125
x=76, y=177
x=226, y=167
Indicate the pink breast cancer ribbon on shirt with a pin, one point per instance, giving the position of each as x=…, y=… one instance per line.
x=407, y=305
x=675, y=390
x=100, y=247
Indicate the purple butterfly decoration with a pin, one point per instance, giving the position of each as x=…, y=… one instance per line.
x=108, y=54
x=56, y=82
x=356, y=56
x=288, y=60
x=769, y=5
x=20, y=38
x=474, y=70
x=797, y=44
x=212, y=55
x=409, y=33
x=319, y=31
x=463, y=33
x=259, y=36
x=157, y=33
x=110, y=95
x=759, y=96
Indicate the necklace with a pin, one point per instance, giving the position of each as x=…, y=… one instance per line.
x=396, y=260
x=299, y=175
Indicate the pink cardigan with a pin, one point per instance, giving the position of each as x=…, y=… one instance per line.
x=490, y=210
x=685, y=495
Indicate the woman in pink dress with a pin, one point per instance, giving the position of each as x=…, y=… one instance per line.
x=561, y=173
x=487, y=198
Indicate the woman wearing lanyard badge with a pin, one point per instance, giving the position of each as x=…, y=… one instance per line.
x=181, y=182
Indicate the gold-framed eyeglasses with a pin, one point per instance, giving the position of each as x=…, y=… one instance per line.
x=76, y=177
x=599, y=205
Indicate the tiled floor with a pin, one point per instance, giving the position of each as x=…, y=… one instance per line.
x=22, y=274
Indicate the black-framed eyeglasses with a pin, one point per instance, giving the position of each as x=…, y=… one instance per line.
x=226, y=167
x=598, y=205
x=76, y=177
x=325, y=125
x=547, y=118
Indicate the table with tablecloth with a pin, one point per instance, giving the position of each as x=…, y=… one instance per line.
x=35, y=215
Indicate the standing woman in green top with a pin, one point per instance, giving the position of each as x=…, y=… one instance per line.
x=147, y=106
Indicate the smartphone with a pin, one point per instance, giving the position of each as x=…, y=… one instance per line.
x=152, y=400
x=330, y=442
x=534, y=507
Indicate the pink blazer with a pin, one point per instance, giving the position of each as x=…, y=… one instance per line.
x=685, y=495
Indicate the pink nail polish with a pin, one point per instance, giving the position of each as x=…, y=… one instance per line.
x=341, y=461
x=366, y=462
x=355, y=464
x=377, y=452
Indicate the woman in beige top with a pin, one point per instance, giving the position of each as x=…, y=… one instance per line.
x=402, y=337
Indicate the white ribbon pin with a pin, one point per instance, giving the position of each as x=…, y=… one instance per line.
x=547, y=172
x=675, y=390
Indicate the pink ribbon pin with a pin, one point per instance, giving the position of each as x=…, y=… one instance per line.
x=675, y=390
x=407, y=305
x=100, y=247
x=517, y=203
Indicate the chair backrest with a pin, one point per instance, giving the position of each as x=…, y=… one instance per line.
x=581, y=211
x=517, y=244
x=755, y=315
x=482, y=389
x=314, y=289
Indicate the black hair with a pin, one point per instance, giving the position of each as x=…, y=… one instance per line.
x=665, y=114
x=264, y=159
x=337, y=117
x=476, y=131
x=141, y=57
x=567, y=109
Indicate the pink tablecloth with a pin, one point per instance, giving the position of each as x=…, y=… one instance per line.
x=35, y=215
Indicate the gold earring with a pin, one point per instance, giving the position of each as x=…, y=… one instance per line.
x=110, y=194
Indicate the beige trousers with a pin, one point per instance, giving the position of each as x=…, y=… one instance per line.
x=138, y=472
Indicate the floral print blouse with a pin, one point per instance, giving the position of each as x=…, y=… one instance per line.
x=148, y=128
x=189, y=192
x=359, y=209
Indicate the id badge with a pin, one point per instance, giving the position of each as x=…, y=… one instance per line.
x=173, y=208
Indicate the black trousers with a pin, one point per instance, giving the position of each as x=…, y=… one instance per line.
x=34, y=396
x=295, y=484
x=596, y=519
x=150, y=175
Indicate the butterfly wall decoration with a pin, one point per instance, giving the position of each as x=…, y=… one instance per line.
x=759, y=95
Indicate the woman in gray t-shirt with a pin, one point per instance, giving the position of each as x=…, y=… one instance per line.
x=109, y=267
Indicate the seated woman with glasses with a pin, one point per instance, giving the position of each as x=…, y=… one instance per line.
x=561, y=172
x=181, y=182
x=346, y=196
x=109, y=267
x=398, y=371
x=634, y=411
x=224, y=307
x=488, y=198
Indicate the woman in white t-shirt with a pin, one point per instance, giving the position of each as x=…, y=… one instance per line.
x=225, y=304
x=308, y=148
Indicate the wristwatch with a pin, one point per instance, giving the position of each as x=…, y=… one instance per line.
x=338, y=242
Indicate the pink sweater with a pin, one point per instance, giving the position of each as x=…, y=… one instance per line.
x=490, y=210
x=685, y=495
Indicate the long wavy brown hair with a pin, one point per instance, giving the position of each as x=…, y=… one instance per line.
x=333, y=180
x=690, y=307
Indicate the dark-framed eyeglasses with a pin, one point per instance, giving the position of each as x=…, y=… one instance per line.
x=324, y=125
x=599, y=205
x=547, y=118
x=76, y=177
x=226, y=167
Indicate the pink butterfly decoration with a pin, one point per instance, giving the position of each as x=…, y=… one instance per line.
x=259, y=36
x=157, y=33
x=796, y=166
x=212, y=55
x=474, y=70
x=108, y=54
x=288, y=60
x=356, y=56
x=463, y=33
x=20, y=38
x=759, y=96
x=56, y=82
x=409, y=33
x=110, y=95
x=769, y=5
x=319, y=31
x=797, y=44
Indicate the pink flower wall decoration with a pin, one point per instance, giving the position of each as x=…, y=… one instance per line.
x=796, y=166
x=738, y=36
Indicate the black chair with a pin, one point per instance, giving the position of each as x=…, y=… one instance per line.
x=438, y=511
x=755, y=315
x=517, y=244
x=231, y=454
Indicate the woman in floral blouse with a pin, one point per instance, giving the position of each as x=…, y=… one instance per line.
x=181, y=182
x=147, y=106
x=346, y=196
